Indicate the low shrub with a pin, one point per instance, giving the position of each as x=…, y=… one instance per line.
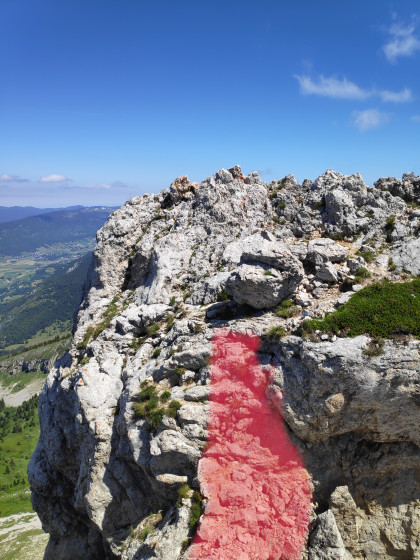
x=362, y=273
x=147, y=392
x=147, y=407
x=380, y=310
x=155, y=418
x=375, y=347
x=391, y=265
x=173, y=408
x=390, y=224
x=137, y=342
x=156, y=353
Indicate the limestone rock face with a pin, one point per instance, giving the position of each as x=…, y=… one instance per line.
x=326, y=541
x=320, y=400
x=109, y=475
x=407, y=255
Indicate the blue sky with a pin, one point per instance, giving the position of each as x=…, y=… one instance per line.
x=102, y=100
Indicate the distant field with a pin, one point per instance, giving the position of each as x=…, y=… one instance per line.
x=42, y=233
x=21, y=275
x=21, y=536
x=45, y=310
x=19, y=381
x=43, y=345
x=16, y=449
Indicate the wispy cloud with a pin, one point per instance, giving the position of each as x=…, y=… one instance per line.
x=403, y=42
x=345, y=89
x=368, y=119
x=415, y=118
x=100, y=186
x=54, y=178
x=5, y=178
x=266, y=171
x=119, y=185
x=396, y=96
x=331, y=87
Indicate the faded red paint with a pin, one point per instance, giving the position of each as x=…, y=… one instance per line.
x=257, y=488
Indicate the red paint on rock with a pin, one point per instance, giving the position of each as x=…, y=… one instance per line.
x=252, y=476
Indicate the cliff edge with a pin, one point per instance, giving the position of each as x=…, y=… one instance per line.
x=124, y=418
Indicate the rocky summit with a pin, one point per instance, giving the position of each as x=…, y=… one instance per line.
x=116, y=473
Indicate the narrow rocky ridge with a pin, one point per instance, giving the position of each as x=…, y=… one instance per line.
x=167, y=271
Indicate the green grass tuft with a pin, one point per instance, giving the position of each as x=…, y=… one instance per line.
x=153, y=329
x=367, y=255
x=222, y=295
x=276, y=332
x=184, y=492
x=165, y=396
x=362, y=273
x=196, y=509
x=286, y=309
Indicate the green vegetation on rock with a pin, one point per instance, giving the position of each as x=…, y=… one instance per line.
x=287, y=309
x=380, y=310
x=148, y=408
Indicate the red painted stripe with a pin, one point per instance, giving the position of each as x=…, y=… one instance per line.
x=258, y=490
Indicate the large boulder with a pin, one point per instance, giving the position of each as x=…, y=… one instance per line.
x=323, y=250
x=261, y=287
x=407, y=256
x=268, y=272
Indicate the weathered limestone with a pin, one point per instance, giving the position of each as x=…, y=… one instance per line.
x=169, y=269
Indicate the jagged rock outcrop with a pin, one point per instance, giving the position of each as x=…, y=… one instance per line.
x=169, y=270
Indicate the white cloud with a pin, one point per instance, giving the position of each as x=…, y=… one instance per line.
x=54, y=178
x=368, y=119
x=396, y=96
x=331, y=87
x=403, y=42
x=415, y=118
x=5, y=178
x=345, y=89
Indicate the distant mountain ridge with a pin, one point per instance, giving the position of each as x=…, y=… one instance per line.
x=44, y=230
x=12, y=213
